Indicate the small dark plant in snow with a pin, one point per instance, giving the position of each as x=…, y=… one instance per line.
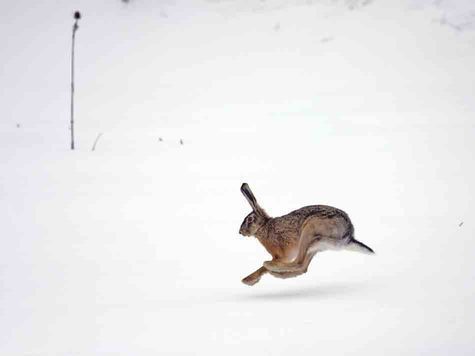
x=77, y=17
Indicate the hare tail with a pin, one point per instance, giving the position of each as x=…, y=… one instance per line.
x=355, y=245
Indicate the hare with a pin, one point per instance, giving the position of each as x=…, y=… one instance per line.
x=295, y=238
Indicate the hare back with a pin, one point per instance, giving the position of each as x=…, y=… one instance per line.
x=317, y=220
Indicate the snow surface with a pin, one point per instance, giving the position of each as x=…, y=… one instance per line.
x=133, y=249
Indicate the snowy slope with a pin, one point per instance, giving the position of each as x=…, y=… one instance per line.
x=133, y=249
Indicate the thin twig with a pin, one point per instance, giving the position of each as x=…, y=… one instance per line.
x=95, y=142
x=77, y=16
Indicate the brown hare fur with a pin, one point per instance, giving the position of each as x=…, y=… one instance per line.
x=295, y=238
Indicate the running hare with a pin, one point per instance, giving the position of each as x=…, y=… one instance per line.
x=294, y=239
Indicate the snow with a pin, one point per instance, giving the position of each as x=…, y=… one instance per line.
x=133, y=249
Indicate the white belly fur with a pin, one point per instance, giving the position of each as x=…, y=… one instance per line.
x=324, y=245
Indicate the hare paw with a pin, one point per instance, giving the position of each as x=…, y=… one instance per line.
x=251, y=280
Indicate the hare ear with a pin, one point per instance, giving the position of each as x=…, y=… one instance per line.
x=246, y=191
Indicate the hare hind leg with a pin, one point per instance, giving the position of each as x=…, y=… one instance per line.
x=308, y=258
x=306, y=247
x=308, y=238
x=254, y=277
